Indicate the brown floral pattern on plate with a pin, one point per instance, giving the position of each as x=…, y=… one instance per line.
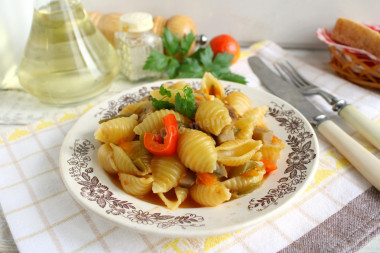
x=94, y=190
x=299, y=141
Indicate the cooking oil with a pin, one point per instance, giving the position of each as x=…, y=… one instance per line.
x=66, y=59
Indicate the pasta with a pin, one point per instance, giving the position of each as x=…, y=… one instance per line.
x=239, y=101
x=105, y=158
x=134, y=185
x=153, y=122
x=212, y=117
x=181, y=195
x=245, y=128
x=196, y=150
x=219, y=151
x=258, y=114
x=210, y=195
x=166, y=171
x=124, y=163
x=237, y=152
x=117, y=130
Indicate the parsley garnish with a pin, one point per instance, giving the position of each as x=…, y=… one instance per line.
x=193, y=66
x=183, y=104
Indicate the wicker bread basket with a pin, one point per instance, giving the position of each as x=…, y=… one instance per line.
x=356, y=68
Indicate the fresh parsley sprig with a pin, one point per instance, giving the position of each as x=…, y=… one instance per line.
x=193, y=66
x=183, y=104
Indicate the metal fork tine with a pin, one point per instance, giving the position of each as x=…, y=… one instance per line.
x=279, y=71
x=298, y=74
x=290, y=75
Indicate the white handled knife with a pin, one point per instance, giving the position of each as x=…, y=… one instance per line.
x=363, y=160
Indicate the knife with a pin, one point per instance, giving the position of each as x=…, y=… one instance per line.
x=363, y=160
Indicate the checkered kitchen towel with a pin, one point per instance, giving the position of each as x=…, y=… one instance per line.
x=339, y=212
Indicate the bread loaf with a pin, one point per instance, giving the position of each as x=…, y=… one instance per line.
x=356, y=35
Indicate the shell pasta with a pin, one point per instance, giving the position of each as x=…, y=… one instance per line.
x=181, y=145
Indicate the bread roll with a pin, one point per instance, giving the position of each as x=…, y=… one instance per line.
x=357, y=35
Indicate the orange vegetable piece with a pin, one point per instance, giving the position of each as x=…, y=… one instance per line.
x=208, y=179
x=269, y=166
x=275, y=139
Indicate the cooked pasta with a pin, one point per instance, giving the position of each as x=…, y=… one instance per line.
x=212, y=86
x=105, y=158
x=196, y=150
x=244, y=182
x=124, y=163
x=237, y=152
x=212, y=117
x=258, y=114
x=180, y=194
x=239, y=101
x=166, y=171
x=219, y=151
x=117, y=130
x=137, y=186
x=153, y=122
x=213, y=195
x=245, y=127
x=271, y=152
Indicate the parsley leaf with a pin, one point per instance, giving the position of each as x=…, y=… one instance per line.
x=232, y=78
x=161, y=104
x=206, y=56
x=186, y=42
x=170, y=42
x=156, y=61
x=173, y=68
x=183, y=104
x=165, y=92
x=186, y=104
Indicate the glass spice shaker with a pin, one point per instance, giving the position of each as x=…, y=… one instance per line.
x=134, y=43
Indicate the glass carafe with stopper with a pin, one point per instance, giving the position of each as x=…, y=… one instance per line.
x=66, y=59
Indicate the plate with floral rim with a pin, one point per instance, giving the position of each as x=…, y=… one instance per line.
x=100, y=193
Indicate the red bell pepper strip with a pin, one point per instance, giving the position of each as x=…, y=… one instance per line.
x=152, y=142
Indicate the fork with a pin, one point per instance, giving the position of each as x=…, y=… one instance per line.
x=365, y=126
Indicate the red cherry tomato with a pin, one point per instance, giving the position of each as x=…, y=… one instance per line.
x=225, y=44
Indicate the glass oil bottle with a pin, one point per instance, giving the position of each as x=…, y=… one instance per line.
x=66, y=59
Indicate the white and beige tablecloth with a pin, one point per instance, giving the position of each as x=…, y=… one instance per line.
x=339, y=211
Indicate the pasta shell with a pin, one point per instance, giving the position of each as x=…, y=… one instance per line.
x=196, y=150
x=212, y=117
x=124, y=163
x=239, y=101
x=213, y=195
x=105, y=158
x=181, y=195
x=131, y=148
x=137, y=186
x=166, y=171
x=271, y=152
x=245, y=127
x=117, y=130
x=237, y=152
x=257, y=113
x=212, y=86
x=243, y=183
x=153, y=122
x=135, y=108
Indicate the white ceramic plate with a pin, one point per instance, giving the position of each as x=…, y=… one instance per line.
x=98, y=192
